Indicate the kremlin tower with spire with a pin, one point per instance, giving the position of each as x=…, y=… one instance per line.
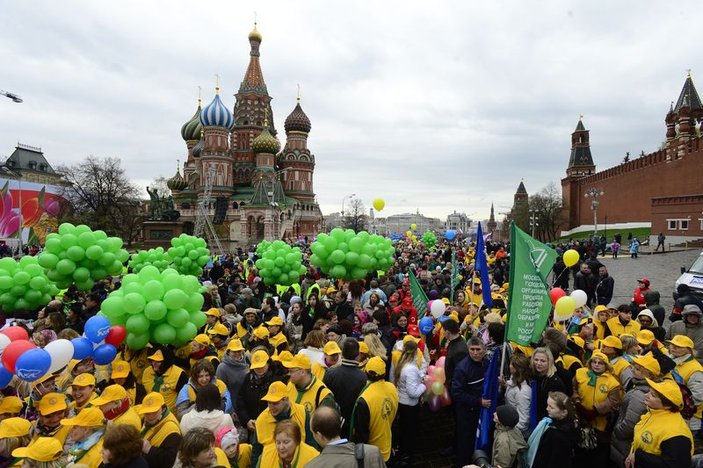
x=259, y=192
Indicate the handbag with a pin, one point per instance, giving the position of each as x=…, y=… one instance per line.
x=588, y=439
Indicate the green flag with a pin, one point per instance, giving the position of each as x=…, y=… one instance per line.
x=529, y=304
x=454, y=278
x=419, y=296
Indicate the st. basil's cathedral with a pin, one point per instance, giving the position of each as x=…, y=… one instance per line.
x=258, y=190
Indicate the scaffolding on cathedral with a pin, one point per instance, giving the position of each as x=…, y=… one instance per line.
x=203, y=225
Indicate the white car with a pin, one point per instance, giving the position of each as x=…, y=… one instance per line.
x=693, y=277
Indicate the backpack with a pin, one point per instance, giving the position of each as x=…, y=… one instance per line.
x=689, y=405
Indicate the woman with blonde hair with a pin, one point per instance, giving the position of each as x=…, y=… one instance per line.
x=376, y=348
x=545, y=381
x=409, y=381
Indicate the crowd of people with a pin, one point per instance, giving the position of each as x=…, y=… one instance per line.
x=330, y=373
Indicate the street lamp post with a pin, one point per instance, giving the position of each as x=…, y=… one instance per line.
x=594, y=194
x=343, y=199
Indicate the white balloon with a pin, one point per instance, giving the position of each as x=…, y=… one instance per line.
x=4, y=341
x=437, y=308
x=61, y=352
x=580, y=297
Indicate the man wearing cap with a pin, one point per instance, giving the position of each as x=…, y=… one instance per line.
x=114, y=403
x=259, y=337
x=331, y=357
x=255, y=385
x=43, y=450
x=233, y=369
x=690, y=326
x=161, y=433
x=277, y=338
x=201, y=348
x=219, y=335
x=245, y=327
x=52, y=409
x=213, y=317
x=164, y=376
x=623, y=323
x=83, y=392
x=612, y=347
x=304, y=388
x=279, y=407
x=86, y=436
x=122, y=375
x=688, y=372
x=375, y=409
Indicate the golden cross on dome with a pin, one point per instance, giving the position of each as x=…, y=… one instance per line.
x=200, y=90
x=580, y=116
x=298, y=98
x=178, y=165
x=217, y=83
x=254, y=19
x=688, y=70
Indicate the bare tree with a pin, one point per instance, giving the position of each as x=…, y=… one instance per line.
x=548, y=207
x=102, y=196
x=355, y=218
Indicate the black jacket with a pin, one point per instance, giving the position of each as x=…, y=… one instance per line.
x=544, y=386
x=557, y=444
x=346, y=383
x=249, y=403
x=604, y=290
x=587, y=283
x=456, y=351
x=467, y=384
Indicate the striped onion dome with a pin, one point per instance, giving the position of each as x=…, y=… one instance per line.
x=198, y=148
x=297, y=121
x=216, y=114
x=191, y=129
x=177, y=182
x=265, y=142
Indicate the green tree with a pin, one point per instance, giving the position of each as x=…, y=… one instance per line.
x=355, y=216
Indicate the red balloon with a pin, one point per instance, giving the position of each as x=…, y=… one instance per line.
x=556, y=293
x=116, y=335
x=15, y=333
x=13, y=351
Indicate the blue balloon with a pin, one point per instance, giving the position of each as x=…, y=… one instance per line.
x=33, y=364
x=5, y=377
x=97, y=328
x=104, y=354
x=450, y=234
x=82, y=348
x=426, y=325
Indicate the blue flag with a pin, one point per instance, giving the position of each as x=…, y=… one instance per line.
x=482, y=266
x=490, y=392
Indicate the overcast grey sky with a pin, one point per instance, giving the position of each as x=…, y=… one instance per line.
x=436, y=106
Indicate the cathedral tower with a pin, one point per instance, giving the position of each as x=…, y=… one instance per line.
x=296, y=159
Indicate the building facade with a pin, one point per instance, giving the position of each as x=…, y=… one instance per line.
x=259, y=191
x=663, y=188
x=458, y=222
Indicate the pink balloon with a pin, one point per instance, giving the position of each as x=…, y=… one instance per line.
x=430, y=370
x=440, y=362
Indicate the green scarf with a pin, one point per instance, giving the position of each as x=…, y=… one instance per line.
x=592, y=377
x=158, y=382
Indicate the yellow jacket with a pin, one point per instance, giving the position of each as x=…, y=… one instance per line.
x=617, y=328
x=657, y=426
x=311, y=396
x=129, y=417
x=382, y=400
x=92, y=458
x=303, y=454
x=595, y=396
x=168, y=387
x=164, y=428
x=266, y=423
x=222, y=458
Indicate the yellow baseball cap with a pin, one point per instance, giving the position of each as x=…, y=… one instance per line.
x=259, y=359
x=261, y=332
x=649, y=362
x=153, y=402
x=14, y=427
x=331, y=347
x=214, y=312
x=51, y=403
x=43, y=449
x=407, y=338
x=235, y=345
x=10, y=405
x=363, y=347
x=110, y=394
x=277, y=392
x=276, y=320
x=477, y=281
x=88, y=417
x=600, y=308
x=669, y=389
x=157, y=356
x=682, y=341
x=599, y=355
x=376, y=365
x=645, y=337
x=203, y=339
x=83, y=380
x=120, y=369
x=611, y=342
x=283, y=356
x=218, y=329
x=577, y=340
x=299, y=361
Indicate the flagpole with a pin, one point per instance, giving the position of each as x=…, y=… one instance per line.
x=511, y=275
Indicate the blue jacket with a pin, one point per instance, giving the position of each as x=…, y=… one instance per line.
x=467, y=383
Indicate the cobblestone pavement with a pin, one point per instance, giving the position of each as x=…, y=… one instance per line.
x=661, y=269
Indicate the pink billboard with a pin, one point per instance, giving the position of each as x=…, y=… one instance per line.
x=29, y=208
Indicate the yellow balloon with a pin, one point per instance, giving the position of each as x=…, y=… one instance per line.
x=408, y=234
x=571, y=257
x=564, y=308
x=413, y=226
x=378, y=204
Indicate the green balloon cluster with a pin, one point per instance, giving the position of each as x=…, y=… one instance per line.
x=348, y=255
x=23, y=284
x=161, y=307
x=429, y=239
x=189, y=254
x=279, y=263
x=77, y=254
x=157, y=257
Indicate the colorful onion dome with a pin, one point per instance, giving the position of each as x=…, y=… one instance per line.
x=265, y=142
x=216, y=114
x=191, y=129
x=198, y=148
x=177, y=182
x=297, y=121
x=255, y=35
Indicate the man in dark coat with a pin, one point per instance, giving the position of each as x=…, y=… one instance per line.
x=586, y=281
x=605, y=287
x=346, y=381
